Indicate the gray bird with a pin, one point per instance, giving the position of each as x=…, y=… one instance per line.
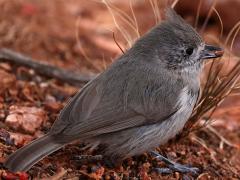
x=140, y=102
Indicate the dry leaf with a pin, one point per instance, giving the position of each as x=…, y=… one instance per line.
x=7, y=80
x=52, y=105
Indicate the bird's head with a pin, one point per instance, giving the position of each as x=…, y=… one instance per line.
x=176, y=45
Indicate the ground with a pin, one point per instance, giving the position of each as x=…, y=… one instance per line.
x=77, y=36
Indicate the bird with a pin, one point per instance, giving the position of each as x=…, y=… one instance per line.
x=142, y=100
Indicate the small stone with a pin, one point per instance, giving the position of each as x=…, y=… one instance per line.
x=28, y=119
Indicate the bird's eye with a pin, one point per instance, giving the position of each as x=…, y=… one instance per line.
x=189, y=51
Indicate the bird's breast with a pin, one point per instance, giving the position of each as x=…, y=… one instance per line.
x=175, y=124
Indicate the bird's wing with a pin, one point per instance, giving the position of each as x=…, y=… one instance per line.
x=85, y=100
x=120, y=98
x=90, y=114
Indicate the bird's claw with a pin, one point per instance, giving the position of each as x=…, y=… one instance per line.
x=174, y=167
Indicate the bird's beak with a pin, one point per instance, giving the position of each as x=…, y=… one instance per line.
x=210, y=52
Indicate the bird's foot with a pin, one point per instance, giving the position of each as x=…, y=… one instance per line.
x=173, y=166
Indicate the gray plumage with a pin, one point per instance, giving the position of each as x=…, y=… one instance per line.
x=141, y=101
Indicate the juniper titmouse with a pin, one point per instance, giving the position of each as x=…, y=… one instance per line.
x=141, y=101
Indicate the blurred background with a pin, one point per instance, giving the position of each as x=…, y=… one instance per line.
x=86, y=36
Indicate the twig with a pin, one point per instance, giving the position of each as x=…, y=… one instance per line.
x=208, y=16
x=118, y=43
x=43, y=68
x=174, y=3
x=223, y=139
x=203, y=144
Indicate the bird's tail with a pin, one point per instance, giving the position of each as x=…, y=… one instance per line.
x=24, y=158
